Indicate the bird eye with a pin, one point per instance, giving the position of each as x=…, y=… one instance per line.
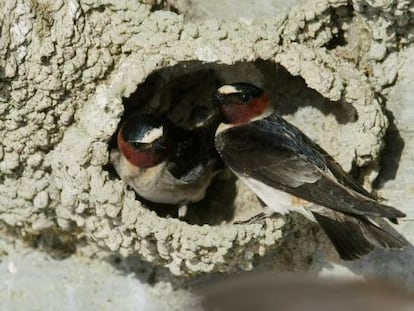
x=244, y=97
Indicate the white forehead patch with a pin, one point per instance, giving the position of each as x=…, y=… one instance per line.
x=152, y=135
x=228, y=89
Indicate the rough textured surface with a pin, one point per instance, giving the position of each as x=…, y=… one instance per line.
x=66, y=69
x=69, y=71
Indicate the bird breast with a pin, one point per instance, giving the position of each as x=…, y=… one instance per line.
x=156, y=183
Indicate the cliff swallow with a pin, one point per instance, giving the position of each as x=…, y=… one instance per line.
x=163, y=163
x=289, y=172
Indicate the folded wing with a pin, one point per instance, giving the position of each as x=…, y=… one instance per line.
x=279, y=155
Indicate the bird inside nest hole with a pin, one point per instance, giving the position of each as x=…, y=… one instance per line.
x=164, y=149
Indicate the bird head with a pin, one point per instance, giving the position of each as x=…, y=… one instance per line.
x=144, y=141
x=241, y=102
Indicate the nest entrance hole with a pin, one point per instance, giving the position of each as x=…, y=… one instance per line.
x=183, y=94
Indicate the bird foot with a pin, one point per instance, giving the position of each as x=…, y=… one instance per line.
x=259, y=218
x=182, y=211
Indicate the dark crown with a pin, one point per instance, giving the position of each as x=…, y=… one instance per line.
x=138, y=125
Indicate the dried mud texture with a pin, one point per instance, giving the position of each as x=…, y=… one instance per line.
x=67, y=71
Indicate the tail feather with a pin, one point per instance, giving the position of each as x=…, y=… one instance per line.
x=355, y=236
x=382, y=237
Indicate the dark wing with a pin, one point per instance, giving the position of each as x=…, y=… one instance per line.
x=278, y=154
x=193, y=154
x=342, y=177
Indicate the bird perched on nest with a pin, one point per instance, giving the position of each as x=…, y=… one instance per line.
x=163, y=163
x=289, y=172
